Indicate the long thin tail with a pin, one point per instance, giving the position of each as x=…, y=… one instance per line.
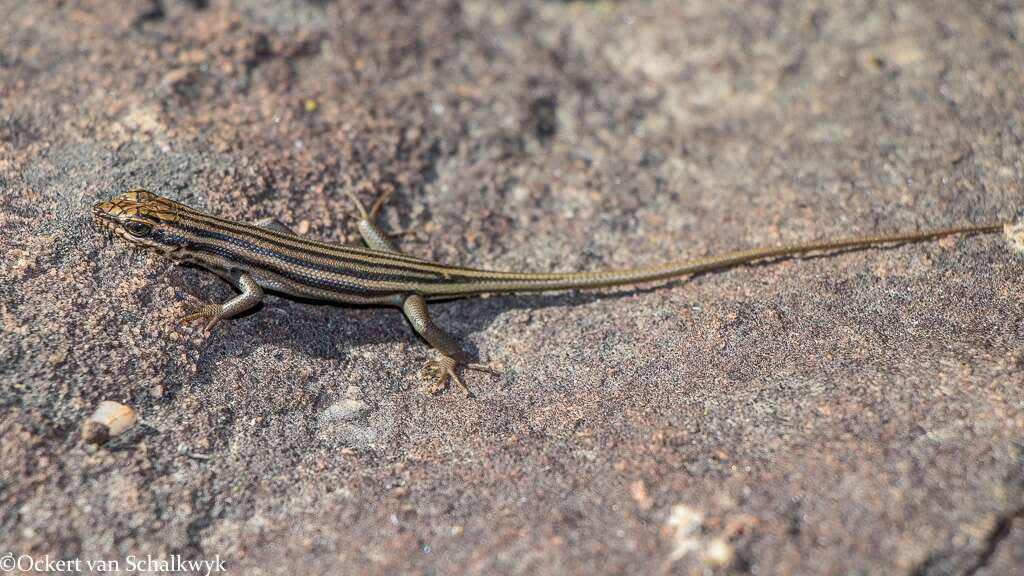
x=481, y=281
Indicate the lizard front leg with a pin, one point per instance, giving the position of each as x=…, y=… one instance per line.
x=251, y=295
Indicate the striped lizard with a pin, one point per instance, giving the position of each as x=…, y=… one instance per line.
x=267, y=255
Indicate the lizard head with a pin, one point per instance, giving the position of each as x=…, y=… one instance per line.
x=142, y=218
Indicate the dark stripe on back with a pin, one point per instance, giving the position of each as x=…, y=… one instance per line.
x=294, y=276
x=298, y=244
x=209, y=226
x=387, y=273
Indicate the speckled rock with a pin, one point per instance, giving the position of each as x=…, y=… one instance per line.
x=860, y=413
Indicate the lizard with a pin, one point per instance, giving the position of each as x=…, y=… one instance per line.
x=267, y=255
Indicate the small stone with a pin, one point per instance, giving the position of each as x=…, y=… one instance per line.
x=683, y=529
x=1015, y=235
x=110, y=419
x=719, y=553
x=157, y=391
x=175, y=77
x=639, y=492
x=193, y=57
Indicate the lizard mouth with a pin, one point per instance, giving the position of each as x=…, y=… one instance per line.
x=104, y=220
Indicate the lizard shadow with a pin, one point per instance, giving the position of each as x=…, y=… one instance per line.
x=327, y=331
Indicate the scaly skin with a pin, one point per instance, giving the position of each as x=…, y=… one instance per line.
x=268, y=256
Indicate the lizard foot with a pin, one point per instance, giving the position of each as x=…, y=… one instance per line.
x=441, y=370
x=213, y=312
x=370, y=215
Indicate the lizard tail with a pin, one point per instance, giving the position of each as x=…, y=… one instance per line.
x=473, y=282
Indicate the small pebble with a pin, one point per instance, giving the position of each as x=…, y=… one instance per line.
x=110, y=419
x=719, y=553
x=1015, y=235
x=639, y=492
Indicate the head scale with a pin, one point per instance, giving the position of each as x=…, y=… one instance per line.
x=142, y=218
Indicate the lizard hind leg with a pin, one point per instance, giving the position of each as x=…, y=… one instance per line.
x=445, y=368
x=375, y=237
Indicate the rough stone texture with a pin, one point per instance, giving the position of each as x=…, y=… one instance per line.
x=858, y=413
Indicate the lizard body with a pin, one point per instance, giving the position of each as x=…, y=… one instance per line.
x=267, y=255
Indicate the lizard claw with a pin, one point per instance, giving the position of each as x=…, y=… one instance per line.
x=196, y=312
x=370, y=214
x=441, y=370
x=379, y=203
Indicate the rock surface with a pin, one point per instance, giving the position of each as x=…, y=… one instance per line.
x=857, y=413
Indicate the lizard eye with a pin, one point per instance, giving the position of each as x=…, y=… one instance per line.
x=138, y=229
